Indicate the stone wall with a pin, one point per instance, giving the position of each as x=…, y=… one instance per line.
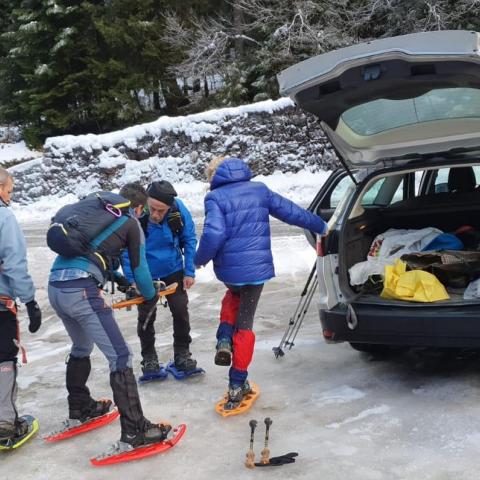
x=285, y=140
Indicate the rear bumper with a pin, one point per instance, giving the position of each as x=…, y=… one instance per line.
x=423, y=326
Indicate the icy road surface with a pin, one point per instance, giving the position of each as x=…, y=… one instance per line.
x=348, y=415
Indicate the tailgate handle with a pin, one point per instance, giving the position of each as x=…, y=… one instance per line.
x=372, y=72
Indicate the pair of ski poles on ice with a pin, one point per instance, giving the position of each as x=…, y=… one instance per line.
x=266, y=460
x=295, y=322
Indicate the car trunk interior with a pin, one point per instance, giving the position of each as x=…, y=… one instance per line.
x=445, y=211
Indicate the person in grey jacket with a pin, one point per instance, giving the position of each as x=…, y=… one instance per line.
x=15, y=282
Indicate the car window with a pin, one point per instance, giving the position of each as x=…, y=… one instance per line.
x=438, y=104
x=381, y=194
x=419, y=175
x=339, y=191
x=441, y=178
x=372, y=193
x=398, y=195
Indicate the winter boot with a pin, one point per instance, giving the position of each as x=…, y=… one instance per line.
x=184, y=362
x=81, y=406
x=236, y=393
x=246, y=388
x=136, y=429
x=7, y=431
x=96, y=408
x=223, y=356
x=155, y=432
x=151, y=434
x=12, y=430
x=150, y=364
x=235, y=397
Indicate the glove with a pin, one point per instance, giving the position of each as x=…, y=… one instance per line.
x=279, y=461
x=150, y=304
x=122, y=283
x=35, y=316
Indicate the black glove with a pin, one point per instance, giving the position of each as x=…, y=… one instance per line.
x=279, y=461
x=150, y=304
x=122, y=283
x=35, y=315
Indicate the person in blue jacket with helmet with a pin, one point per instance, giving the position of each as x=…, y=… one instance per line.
x=236, y=236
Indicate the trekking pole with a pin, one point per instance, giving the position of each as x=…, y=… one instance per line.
x=290, y=342
x=250, y=461
x=266, y=452
x=278, y=351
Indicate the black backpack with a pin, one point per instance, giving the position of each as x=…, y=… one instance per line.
x=76, y=225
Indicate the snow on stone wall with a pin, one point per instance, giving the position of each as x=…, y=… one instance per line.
x=271, y=136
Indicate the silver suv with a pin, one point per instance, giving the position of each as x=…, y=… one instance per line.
x=403, y=115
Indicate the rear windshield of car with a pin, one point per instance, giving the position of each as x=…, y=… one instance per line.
x=440, y=104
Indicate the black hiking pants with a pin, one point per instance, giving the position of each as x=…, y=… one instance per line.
x=8, y=334
x=178, y=304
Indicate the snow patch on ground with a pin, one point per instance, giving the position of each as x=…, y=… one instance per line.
x=380, y=410
x=340, y=395
x=14, y=152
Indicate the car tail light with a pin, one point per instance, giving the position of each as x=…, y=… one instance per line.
x=328, y=334
x=320, y=245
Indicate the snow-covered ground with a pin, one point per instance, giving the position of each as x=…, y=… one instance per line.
x=10, y=152
x=348, y=415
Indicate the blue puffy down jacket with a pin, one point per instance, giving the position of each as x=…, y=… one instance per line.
x=236, y=233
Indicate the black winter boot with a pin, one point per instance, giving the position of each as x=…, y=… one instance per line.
x=150, y=364
x=81, y=406
x=183, y=361
x=136, y=429
x=97, y=408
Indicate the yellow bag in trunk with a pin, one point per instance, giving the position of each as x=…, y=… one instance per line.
x=413, y=286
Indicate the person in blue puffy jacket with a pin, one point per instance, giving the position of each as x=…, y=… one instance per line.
x=236, y=236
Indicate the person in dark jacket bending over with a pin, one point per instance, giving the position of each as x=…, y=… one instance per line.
x=15, y=282
x=170, y=248
x=236, y=236
x=75, y=293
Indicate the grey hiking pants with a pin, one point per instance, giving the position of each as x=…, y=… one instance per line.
x=89, y=320
x=8, y=391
